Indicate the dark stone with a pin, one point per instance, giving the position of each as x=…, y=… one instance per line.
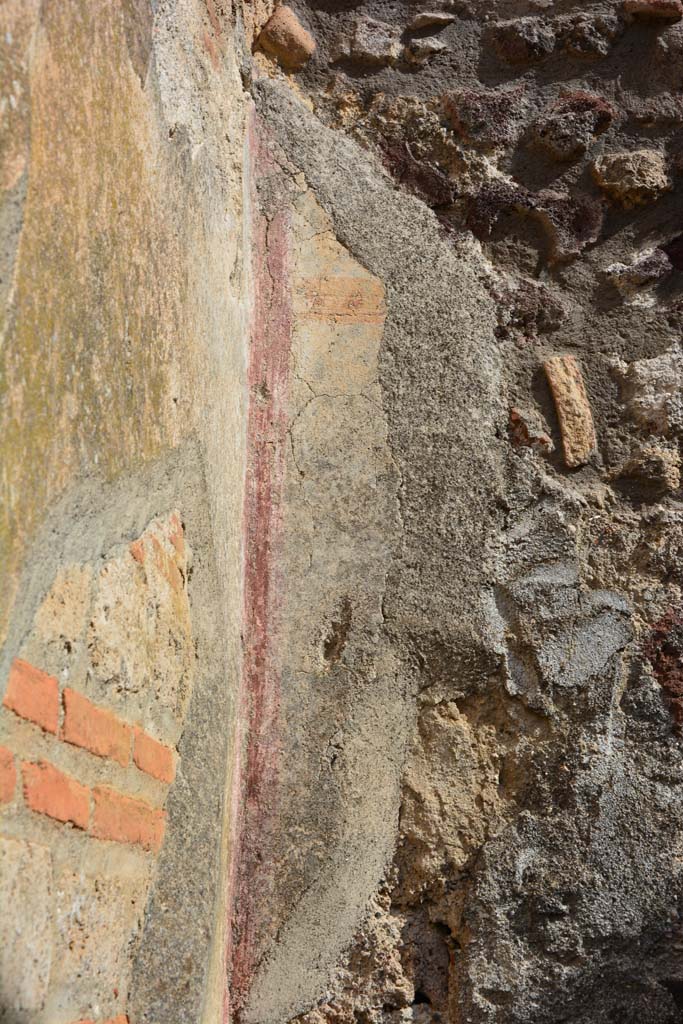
x=591, y=36
x=569, y=222
x=523, y=41
x=674, y=251
x=486, y=117
x=527, y=308
x=572, y=123
x=664, y=651
x=421, y=177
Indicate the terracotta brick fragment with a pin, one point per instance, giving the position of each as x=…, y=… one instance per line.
x=526, y=431
x=657, y=10
x=123, y=819
x=51, y=792
x=33, y=694
x=95, y=729
x=152, y=757
x=8, y=775
x=121, y=1019
x=573, y=409
x=285, y=38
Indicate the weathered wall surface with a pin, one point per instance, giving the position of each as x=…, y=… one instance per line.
x=341, y=523
x=125, y=306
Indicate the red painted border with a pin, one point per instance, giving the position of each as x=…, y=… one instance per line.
x=254, y=799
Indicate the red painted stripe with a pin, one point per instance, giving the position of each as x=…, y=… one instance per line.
x=268, y=372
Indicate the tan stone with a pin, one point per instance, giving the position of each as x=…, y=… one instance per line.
x=651, y=389
x=286, y=39
x=655, y=467
x=25, y=934
x=573, y=409
x=633, y=178
x=96, y=920
x=62, y=615
x=140, y=633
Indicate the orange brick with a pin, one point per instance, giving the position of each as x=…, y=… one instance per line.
x=95, y=729
x=124, y=819
x=573, y=409
x=152, y=757
x=285, y=38
x=8, y=775
x=49, y=791
x=33, y=694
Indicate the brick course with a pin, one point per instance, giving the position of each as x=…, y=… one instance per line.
x=124, y=819
x=33, y=694
x=51, y=792
x=95, y=729
x=152, y=757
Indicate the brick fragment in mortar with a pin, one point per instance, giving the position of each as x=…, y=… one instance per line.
x=285, y=38
x=573, y=409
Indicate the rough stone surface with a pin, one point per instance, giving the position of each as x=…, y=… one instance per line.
x=655, y=469
x=570, y=126
x=488, y=117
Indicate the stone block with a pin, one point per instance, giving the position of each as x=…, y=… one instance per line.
x=633, y=177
